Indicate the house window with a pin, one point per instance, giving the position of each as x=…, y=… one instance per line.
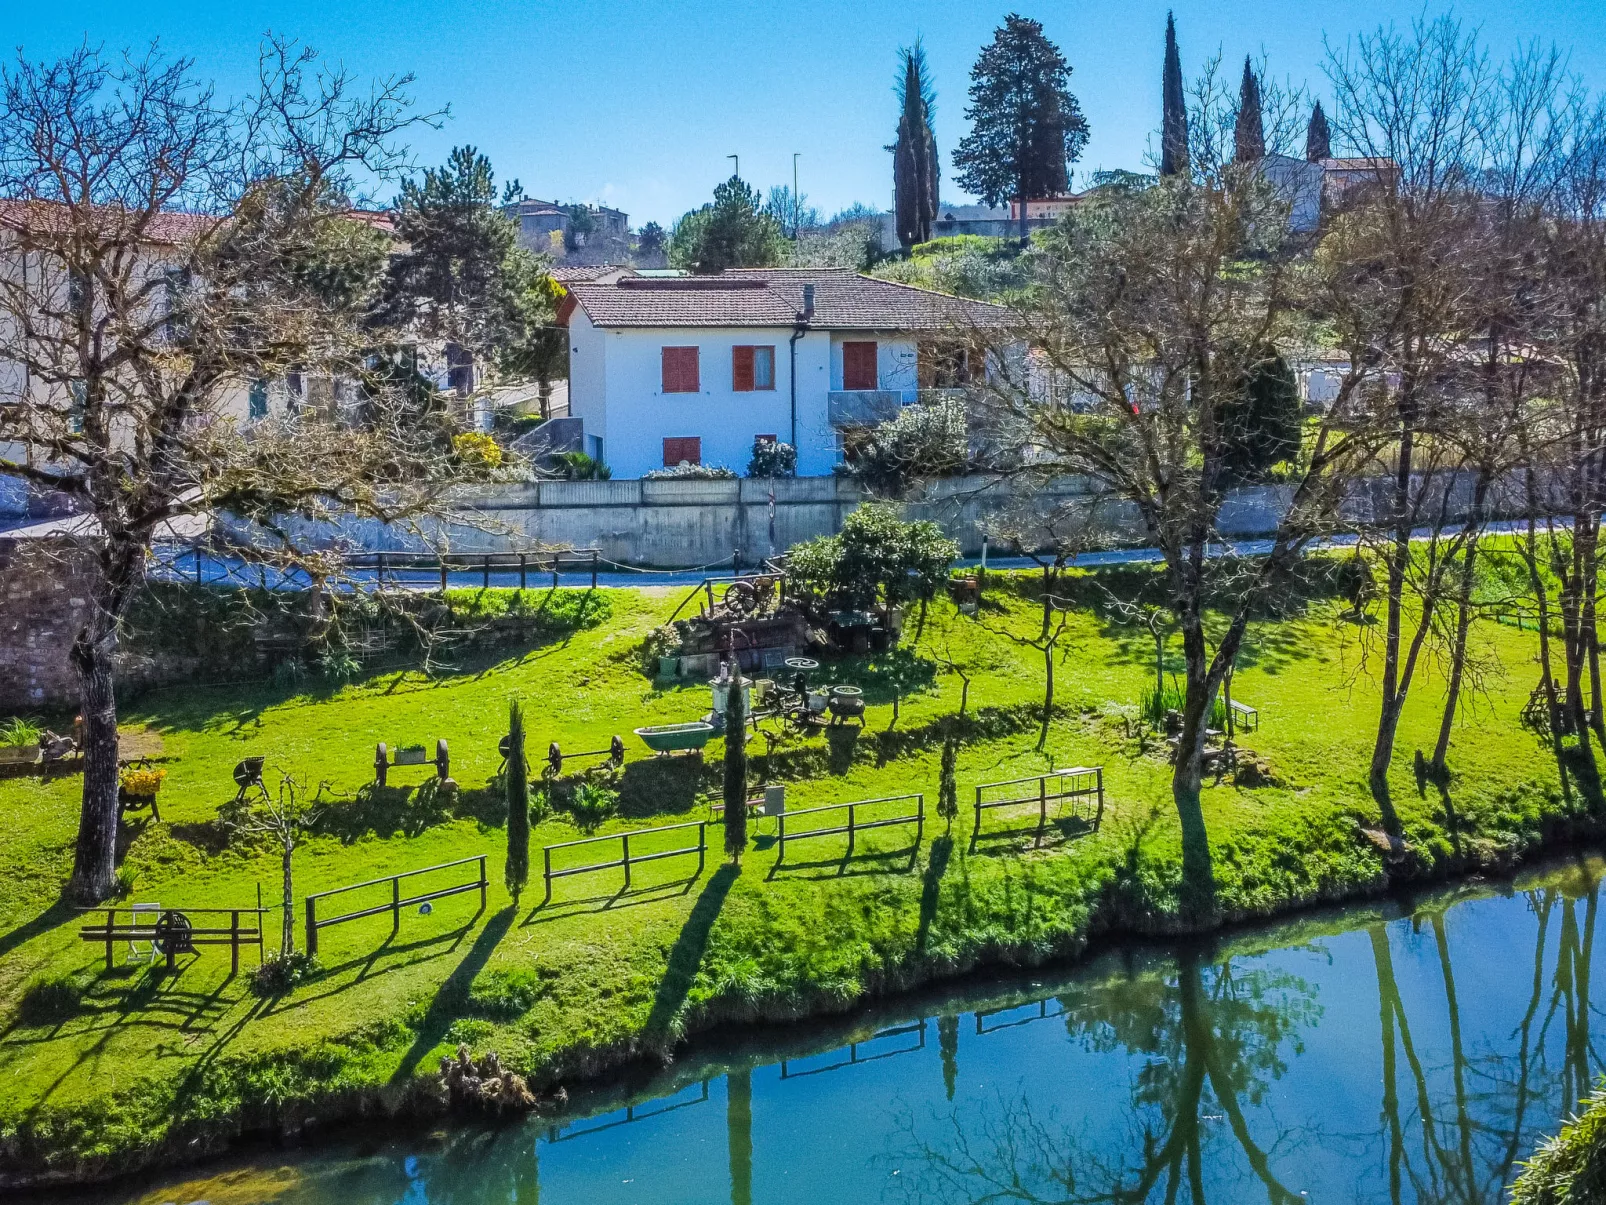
x=459, y=370
x=680, y=370
x=682, y=449
x=258, y=401
x=752, y=368
x=858, y=366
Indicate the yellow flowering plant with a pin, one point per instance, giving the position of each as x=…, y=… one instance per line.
x=142, y=782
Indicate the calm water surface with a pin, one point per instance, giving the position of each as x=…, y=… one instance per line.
x=1395, y=1053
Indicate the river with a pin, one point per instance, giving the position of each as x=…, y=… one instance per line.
x=1407, y=1051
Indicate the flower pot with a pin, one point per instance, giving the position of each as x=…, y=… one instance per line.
x=669, y=667
x=411, y=757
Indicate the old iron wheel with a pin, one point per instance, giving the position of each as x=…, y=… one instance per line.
x=173, y=934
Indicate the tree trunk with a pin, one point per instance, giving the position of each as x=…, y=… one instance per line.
x=1048, y=696
x=1204, y=677
x=287, y=932
x=95, y=857
x=1463, y=622
x=1393, y=697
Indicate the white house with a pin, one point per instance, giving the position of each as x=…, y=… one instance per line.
x=665, y=369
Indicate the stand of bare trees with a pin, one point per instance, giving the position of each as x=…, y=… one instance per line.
x=1456, y=283
x=162, y=253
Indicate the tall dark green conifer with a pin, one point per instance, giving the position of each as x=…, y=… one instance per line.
x=735, y=793
x=1249, y=135
x=915, y=168
x=1318, y=141
x=1025, y=126
x=516, y=788
x=1174, y=110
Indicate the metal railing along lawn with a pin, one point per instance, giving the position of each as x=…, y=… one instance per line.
x=854, y=826
x=626, y=859
x=1075, y=785
x=396, y=902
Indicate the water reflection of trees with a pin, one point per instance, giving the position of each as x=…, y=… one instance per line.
x=1211, y=1040
x=1459, y=1145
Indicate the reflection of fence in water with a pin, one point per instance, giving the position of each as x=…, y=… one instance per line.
x=855, y=1058
x=629, y=1114
x=1042, y=1014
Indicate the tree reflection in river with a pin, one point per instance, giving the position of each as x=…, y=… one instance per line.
x=1209, y=1041
x=1214, y=1037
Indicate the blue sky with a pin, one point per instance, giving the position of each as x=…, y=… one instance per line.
x=638, y=103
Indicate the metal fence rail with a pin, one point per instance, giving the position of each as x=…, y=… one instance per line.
x=396, y=902
x=1077, y=785
x=626, y=858
x=854, y=826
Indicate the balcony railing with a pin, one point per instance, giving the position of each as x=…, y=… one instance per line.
x=863, y=407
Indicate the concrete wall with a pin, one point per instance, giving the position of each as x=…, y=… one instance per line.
x=675, y=524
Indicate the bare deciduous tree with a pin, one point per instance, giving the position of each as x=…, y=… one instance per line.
x=160, y=252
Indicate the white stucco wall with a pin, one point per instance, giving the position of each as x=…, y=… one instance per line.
x=897, y=361
x=616, y=387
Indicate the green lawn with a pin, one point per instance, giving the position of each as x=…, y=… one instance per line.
x=567, y=988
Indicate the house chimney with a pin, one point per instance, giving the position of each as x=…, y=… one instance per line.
x=808, y=301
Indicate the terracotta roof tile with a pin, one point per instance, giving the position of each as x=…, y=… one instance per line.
x=843, y=300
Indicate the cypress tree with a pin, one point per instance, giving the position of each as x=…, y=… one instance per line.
x=947, y=787
x=1318, y=141
x=915, y=168
x=1248, y=135
x=516, y=788
x=735, y=770
x=1174, y=112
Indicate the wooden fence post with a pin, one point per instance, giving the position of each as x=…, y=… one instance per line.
x=781, y=856
x=486, y=566
x=976, y=831
x=625, y=840
x=547, y=875
x=234, y=943
x=484, y=882
x=443, y=574
x=1099, y=819
x=1042, y=807
x=395, y=905
x=920, y=818
x=702, y=845
x=111, y=920
x=524, y=580
x=312, y=924
x=851, y=810
x=594, y=555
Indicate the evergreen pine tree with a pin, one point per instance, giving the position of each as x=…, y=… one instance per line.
x=915, y=168
x=735, y=770
x=1174, y=110
x=1025, y=126
x=1318, y=141
x=516, y=788
x=1248, y=135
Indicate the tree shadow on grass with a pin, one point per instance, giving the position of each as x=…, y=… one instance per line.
x=931, y=887
x=846, y=867
x=680, y=969
x=661, y=786
x=449, y=998
x=58, y=912
x=545, y=913
x=843, y=741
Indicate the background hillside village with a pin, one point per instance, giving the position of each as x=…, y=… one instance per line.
x=457, y=647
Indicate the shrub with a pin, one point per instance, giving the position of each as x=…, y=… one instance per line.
x=876, y=557
x=477, y=450
x=338, y=665
x=18, y=733
x=577, y=466
x=592, y=804
x=289, y=673
x=540, y=806
x=1570, y=1167
x=686, y=471
x=282, y=972
x=922, y=441
x=772, y=458
x=50, y=1000
x=1152, y=704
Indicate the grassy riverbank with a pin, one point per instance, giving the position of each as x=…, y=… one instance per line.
x=106, y=1071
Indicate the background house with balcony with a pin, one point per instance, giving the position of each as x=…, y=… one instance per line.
x=696, y=368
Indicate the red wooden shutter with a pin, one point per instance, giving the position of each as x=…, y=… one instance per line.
x=682, y=447
x=742, y=369
x=859, y=366
x=680, y=370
